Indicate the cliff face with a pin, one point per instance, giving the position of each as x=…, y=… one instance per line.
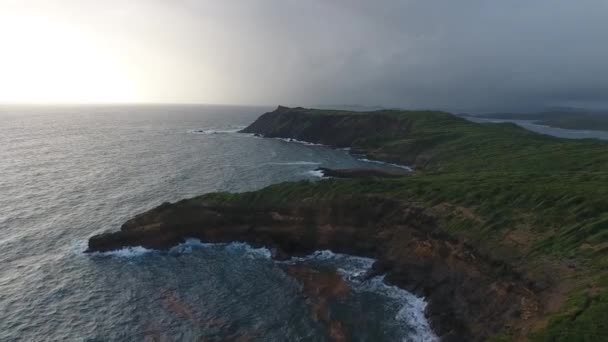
x=466, y=299
x=363, y=133
x=331, y=128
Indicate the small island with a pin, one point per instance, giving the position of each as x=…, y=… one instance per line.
x=502, y=230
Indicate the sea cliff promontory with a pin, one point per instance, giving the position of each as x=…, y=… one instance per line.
x=502, y=230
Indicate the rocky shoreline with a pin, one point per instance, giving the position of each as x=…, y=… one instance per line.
x=467, y=300
x=362, y=173
x=470, y=295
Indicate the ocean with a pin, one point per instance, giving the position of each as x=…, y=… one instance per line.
x=69, y=172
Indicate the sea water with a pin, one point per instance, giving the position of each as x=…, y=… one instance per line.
x=69, y=172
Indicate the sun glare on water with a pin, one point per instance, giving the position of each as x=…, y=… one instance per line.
x=44, y=61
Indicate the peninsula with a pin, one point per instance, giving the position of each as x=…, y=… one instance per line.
x=502, y=230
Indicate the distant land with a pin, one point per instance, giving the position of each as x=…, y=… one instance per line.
x=503, y=231
x=570, y=118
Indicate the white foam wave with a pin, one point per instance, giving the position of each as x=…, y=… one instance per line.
x=353, y=269
x=315, y=173
x=411, y=310
x=291, y=140
x=250, y=251
x=78, y=247
x=184, y=248
x=349, y=262
x=405, y=167
x=188, y=246
x=217, y=131
x=127, y=252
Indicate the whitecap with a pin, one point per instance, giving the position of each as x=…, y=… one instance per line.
x=127, y=252
x=188, y=246
x=315, y=173
x=78, y=247
x=217, y=131
x=250, y=251
x=411, y=311
x=353, y=270
x=291, y=140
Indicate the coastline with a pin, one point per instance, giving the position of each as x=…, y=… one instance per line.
x=409, y=248
x=424, y=230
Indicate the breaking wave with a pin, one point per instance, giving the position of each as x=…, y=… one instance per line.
x=315, y=173
x=235, y=129
x=353, y=269
x=291, y=140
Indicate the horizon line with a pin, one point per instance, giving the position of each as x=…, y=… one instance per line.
x=128, y=104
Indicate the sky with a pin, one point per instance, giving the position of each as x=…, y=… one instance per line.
x=473, y=55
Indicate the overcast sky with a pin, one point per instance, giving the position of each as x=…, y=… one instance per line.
x=454, y=55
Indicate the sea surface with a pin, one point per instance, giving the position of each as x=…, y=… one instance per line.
x=533, y=126
x=69, y=172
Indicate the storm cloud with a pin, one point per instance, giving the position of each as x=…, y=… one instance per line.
x=478, y=55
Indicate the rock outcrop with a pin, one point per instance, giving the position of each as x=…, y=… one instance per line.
x=362, y=173
x=362, y=133
x=475, y=267
x=467, y=299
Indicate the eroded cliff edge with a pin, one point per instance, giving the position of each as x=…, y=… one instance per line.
x=500, y=244
x=466, y=297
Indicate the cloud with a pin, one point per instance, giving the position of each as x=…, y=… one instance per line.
x=455, y=55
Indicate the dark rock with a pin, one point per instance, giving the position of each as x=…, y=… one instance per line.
x=466, y=299
x=333, y=128
x=362, y=173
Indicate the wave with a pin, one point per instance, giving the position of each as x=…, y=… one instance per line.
x=188, y=246
x=315, y=173
x=235, y=247
x=291, y=140
x=240, y=247
x=411, y=309
x=235, y=129
x=353, y=270
x=250, y=251
x=183, y=248
x=80, y=247
x=127, y=252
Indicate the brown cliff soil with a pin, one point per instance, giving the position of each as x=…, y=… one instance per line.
x=322, y=287
x=501, y=229
x=469, y=297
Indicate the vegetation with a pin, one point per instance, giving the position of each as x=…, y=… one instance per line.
x=538, y=203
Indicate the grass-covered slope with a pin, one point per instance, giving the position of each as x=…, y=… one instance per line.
x=536, y=202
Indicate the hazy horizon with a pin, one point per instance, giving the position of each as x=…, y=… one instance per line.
x=465, y=56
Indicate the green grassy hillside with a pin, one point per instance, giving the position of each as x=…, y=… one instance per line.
x=536, y=202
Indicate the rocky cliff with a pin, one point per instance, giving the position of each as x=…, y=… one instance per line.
x=466, y=298
x=361, y=133
x=501, y=229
